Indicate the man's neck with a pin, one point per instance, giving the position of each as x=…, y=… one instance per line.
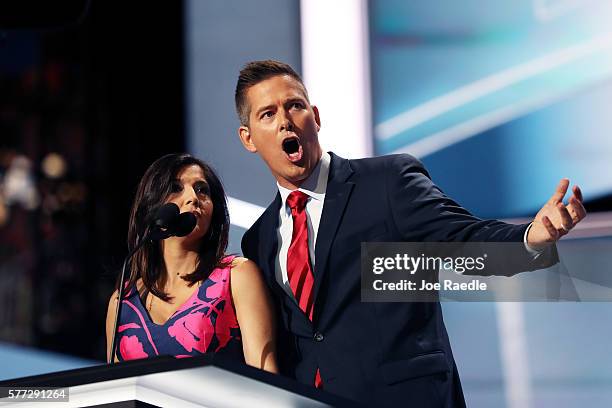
x=290, y=185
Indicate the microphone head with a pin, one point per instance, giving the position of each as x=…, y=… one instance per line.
x=166, y=215
x=170, y=222
x=184, y=224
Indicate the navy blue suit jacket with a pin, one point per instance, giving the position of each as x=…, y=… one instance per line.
x=381, y=354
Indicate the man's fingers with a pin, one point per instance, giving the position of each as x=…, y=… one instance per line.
x=562, y=187
x=576, y=209
x=577, y=193
x=566, y=218
x=552, y=231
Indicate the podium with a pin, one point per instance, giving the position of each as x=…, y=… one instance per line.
x=206, y=381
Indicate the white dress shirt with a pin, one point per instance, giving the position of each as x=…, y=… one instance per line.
x=314, y=186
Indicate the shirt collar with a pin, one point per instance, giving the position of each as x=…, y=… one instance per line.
x=316, y=184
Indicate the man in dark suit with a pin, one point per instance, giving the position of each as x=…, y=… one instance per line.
x=307, y=244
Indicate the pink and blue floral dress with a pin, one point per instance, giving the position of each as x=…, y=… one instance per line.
x=205, y=323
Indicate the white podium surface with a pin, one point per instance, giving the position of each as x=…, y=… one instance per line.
x=211, y=384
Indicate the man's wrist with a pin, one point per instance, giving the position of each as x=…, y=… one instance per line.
x=532, y=250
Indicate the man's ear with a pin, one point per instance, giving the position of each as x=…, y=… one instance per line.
x=317, y=118
x=245, y=138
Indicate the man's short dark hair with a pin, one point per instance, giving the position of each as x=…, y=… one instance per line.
x=253, y=73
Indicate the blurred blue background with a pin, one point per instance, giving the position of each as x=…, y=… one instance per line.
x=509, y=95
x=499, y=99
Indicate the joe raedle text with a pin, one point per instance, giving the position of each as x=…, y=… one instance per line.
x=425, y=285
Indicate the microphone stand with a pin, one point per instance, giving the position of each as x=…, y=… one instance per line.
x=153, y=235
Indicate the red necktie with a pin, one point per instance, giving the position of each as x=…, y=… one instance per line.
x=299, y=270
x=298, y=260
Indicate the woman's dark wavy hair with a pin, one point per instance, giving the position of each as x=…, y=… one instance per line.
x=153, y=190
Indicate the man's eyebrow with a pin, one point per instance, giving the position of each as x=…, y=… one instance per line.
x=295, y=99
x=264, y=108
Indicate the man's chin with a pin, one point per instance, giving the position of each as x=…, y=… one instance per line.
x=295, y=177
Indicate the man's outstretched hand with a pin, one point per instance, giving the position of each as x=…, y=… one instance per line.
x=556, y=219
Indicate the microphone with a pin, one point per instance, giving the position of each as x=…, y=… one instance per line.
x=184, y=224
x=165, y=215
x=168, y=222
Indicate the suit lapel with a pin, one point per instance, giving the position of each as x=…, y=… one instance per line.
x=336, y=198
x=268, y=252
x=268, y=239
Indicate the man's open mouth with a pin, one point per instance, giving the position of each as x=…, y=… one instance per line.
x=293, y=149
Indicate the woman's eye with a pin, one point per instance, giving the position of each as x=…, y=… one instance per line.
x=176, y=187
x=202, y=189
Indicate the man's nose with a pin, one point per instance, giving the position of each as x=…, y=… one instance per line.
x=286, y=123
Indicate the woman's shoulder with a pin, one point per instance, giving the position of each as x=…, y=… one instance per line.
x=237, y=261
x=244, y=271
x=127, y=293
x=240, y=263
x=128, y=289
x=239, y=270
x=248, y=282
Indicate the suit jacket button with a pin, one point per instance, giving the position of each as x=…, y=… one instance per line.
x=318, y=336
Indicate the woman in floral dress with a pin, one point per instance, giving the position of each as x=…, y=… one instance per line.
x=184, y=296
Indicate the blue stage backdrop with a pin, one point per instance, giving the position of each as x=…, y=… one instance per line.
x=511, y=96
